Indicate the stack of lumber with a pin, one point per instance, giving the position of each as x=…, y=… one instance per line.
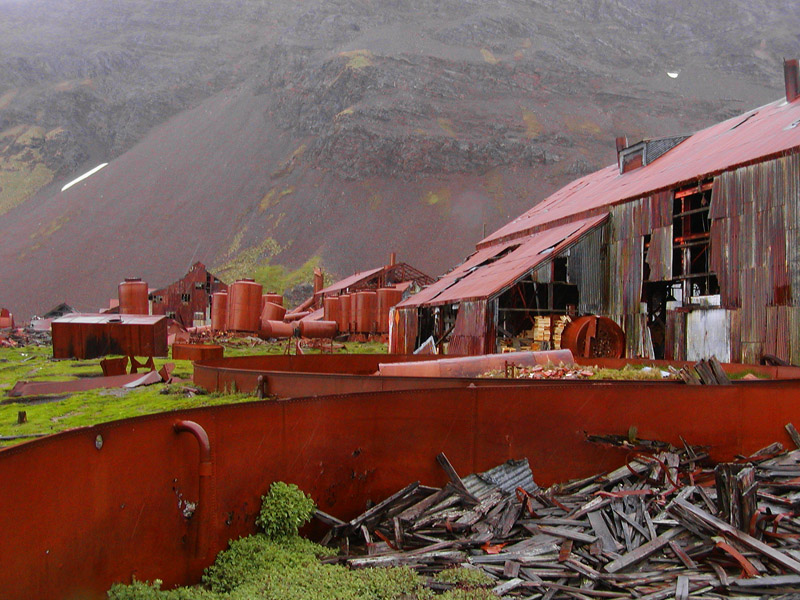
x=667, y=524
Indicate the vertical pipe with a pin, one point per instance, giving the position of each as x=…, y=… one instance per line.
x=204, y=511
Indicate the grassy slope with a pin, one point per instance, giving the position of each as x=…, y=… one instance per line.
x=55, y=414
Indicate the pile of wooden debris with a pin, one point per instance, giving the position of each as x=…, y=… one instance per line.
x=667, y=524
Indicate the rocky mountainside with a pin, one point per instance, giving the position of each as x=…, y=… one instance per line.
x=246, y=132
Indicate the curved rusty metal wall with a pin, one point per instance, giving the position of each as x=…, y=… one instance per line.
x=80, y=511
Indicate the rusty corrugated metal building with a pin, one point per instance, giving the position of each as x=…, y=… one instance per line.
x=188, y=300
x=691, y=244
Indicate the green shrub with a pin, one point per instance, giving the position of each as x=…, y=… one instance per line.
x=144, y=590
x=284, y=510
x=250, y=558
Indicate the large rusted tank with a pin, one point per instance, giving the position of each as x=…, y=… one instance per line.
x=277, y=329
x=219, y=311
x=366, y=304
x=344, y=310
x=133, y=299
x=594, y=337
x=318, y=329
x=271, y=297
x=332, y=310
x=387, y=298
x=244, y=306
x=354, y=311
x=272, y=312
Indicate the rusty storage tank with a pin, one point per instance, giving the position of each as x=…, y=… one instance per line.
x=318, y=329
x=366, y=305
x=133, y=299
x=344, y=312
x=387, y=298
x=594, y=337
x=332, y=310
x=353, y=311
x=219, y=311
x=277, y=329
x=272, y=312
x=244, y=306
x=271, y=297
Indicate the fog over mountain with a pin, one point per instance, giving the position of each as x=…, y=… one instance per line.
x=240, y=132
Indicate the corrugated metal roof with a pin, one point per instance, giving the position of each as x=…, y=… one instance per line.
x=350, y=281
x=767, y=131
x=506, y=478
x=98, y=319
x=483, y=275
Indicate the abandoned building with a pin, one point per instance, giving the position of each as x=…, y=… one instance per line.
x=690, y=244
x=188, y=300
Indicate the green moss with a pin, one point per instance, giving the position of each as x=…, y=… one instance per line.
x=463, y=577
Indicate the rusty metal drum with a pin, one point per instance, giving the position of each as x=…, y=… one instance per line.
x=366, y=305
x=244, y=306
x=133, y=298
x=594, y=337
x=387, y=298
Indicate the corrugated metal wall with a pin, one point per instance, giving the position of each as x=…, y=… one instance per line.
x=588, y=269
x=755, y=250
x=473, y=333
x=403, y=333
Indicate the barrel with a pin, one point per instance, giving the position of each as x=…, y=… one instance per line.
x=133, y=298
x=277, y=329
x=387, y=298
x=353, y=312
x=244, y=306
x=219, y=311
x=271, y=297
x=332, y=310
x=344, y=312
x=366, y=305
x=318, y=329
x=272, y=312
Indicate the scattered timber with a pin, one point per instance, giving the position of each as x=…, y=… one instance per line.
x=667, y=524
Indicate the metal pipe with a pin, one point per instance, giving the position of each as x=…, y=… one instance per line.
x=204, y=511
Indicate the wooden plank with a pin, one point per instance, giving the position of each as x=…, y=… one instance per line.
x=793, y=434
x=610, y=543
x=453, y=475
x=682, y=588
x=378, y=508
x=643, y=551
x=714, y=523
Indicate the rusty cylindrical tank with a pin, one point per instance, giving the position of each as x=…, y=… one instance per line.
x=244, y=306
x=271, y=297
x=353, y=312
x=219, y=311
x=277, y=329
x=197, y=351
x=318, y=329
x=133, y=298
x=366, y=305
x=387, y=298
x=332, y=310
x=272, y=312
x=344, y=312
x=594, y=337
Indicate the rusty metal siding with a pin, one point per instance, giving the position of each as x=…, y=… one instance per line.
x=755, y=251
x=659, y=254
x=675, y=348
x=403, y=338
x=198, y=285
x=472, y=333
x=588, y=269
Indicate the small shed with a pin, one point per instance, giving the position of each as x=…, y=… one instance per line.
x=85, y=336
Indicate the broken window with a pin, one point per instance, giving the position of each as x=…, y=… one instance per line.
x=186, y=298
x=170, y=314
x=691, y=229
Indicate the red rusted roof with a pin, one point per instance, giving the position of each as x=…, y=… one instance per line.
x=350, y=281
x=481, y=277
x=767, y=131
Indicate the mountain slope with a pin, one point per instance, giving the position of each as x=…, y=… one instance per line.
x=246, y=131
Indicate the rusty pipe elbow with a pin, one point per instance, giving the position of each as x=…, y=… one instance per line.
x=200, y=435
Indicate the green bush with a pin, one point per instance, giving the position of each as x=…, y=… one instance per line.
x=144, y=590
x=284, y=510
